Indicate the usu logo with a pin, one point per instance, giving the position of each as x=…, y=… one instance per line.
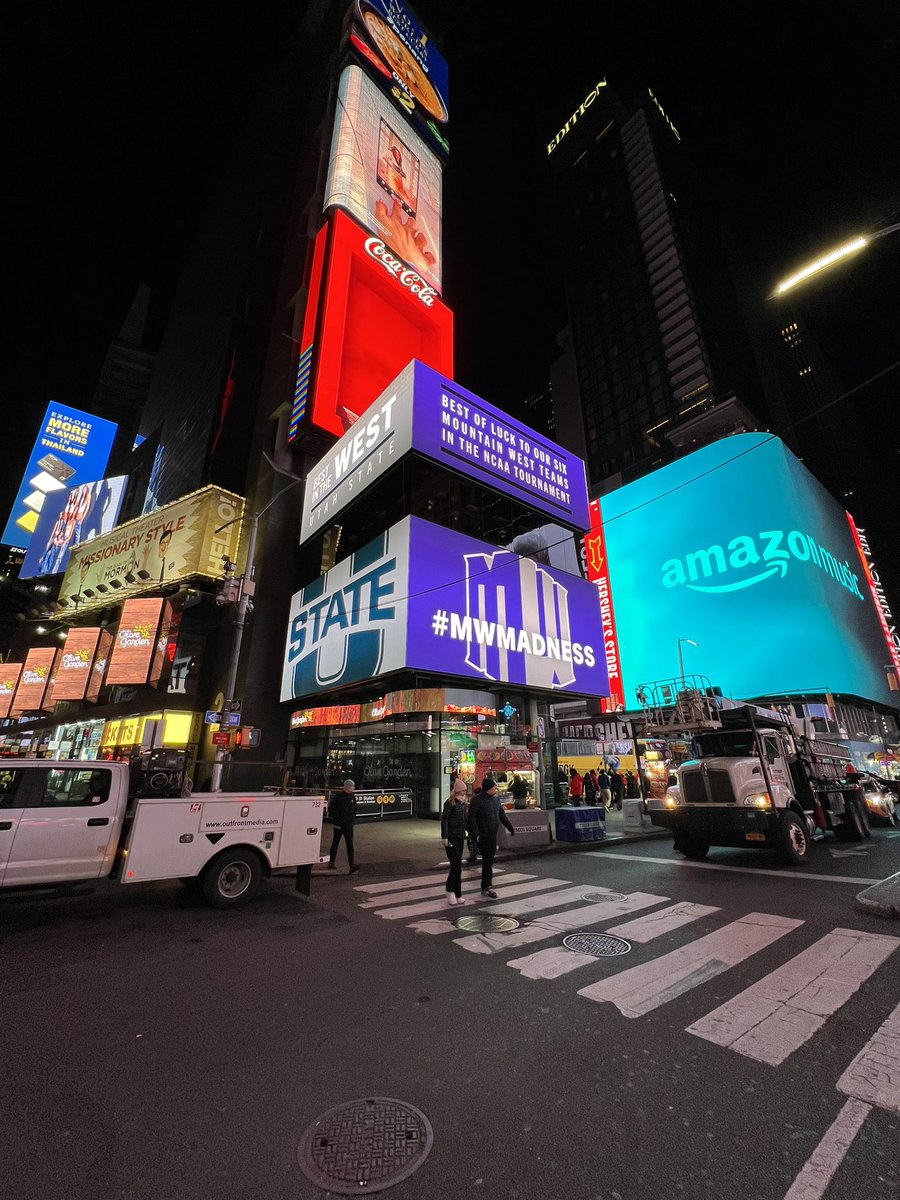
x=338, y=634
x=749, y=559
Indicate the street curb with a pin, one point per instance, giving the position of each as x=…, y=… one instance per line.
x=881, y=899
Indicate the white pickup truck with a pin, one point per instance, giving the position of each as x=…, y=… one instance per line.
x=69, y=822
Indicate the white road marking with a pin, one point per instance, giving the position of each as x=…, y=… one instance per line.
x=704, y=866
x=874, y=1075
x=773, y=1018
x=653, y=925
x=813, y=1180
x=436, y=925
x=437, y=889
x=395, y=885
x=853, y=853
x=547, y=927
x=430, y=906
x=581, y=891
x=550, y=963
x=640, y=989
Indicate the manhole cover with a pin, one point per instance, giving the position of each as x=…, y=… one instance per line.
x=601, y=945
x=485, y=923
x=365, y=1145
x=600, y=897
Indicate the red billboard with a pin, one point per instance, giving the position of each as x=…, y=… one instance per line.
x=34, y=681
x=73, y=671
x=98, y=670
x=135, y=645
x=9, y=678
x=367, y=315
x=597, y=570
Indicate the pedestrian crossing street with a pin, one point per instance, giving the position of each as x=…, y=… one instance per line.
x=766, y=1022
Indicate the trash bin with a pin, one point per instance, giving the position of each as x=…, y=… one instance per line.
x=632, y=816
x=580, y=824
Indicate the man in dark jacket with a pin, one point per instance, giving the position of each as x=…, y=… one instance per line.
x=485, y=814
x=342, y=810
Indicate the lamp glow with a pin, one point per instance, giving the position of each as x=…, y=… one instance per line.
x=820, y=264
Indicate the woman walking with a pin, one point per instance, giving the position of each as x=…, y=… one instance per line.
x=453, y=832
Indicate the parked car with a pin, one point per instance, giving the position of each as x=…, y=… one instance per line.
x=880, y=800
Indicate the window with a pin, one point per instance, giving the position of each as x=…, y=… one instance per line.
x=9, y=787
x=66, y=788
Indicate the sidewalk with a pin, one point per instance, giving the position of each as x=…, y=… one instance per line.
x=402, y=847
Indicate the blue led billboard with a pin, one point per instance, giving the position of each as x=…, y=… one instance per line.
x=72, y=447
x=740, y=549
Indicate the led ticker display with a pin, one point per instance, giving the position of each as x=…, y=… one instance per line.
x=405, y=62
x=76, y=659
x=37, y=671
x=69, y=518
x=739, y=548
x=9, y=678
x=385, y=176
x=596, y=565
x=72, y=447
x=367, y=316
x=136, y=642
x=426, y=412
x=423, y=597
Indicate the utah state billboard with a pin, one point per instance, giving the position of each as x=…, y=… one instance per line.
x=425, y=598
x=739, y=548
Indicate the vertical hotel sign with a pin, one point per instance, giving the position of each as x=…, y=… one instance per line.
x=879, y=599
x=34, y=680
x=136, y=642
x=73, y=671
x=9, y=677
x=597, y=570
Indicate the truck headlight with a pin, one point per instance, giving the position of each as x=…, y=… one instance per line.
x=758, y=800
x=673, y=797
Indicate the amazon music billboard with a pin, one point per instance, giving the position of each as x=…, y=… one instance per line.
x=739, y=548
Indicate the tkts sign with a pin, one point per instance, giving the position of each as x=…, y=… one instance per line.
x=425, y=598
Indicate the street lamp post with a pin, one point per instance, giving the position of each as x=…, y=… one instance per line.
x=688, y=642
x=824, y=261
x=245, y=591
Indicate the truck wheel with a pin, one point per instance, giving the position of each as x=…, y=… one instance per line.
x=794, y=839
x=232, y=878
x=691, y=847
x=856, y=830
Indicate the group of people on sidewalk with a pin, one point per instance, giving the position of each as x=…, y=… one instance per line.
x=607, y=787
x=476, y=823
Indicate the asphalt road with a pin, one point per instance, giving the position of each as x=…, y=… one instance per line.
x=153, y=1048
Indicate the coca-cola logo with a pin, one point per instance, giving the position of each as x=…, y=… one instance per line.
x=405, y=275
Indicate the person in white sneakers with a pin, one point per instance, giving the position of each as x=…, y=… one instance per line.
x=453, y=831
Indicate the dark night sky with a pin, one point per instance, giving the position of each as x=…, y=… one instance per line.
x=121, y=120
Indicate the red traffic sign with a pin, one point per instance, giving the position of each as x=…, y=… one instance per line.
x=221, y=738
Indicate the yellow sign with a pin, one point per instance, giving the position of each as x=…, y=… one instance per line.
x=579, y=112
x=179, y=541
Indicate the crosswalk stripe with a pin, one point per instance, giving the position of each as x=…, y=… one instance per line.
x=812, y=1182
x=582, y=891
x=543, y=928
x=429, y=906
x=437, y=888
x=550, y=963
x=653, y=925
x=775, y=1016
x=396, y=885
x=874, y=1075
x=640, y=989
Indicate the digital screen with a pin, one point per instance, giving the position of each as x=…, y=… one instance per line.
x=72, y=447
x=37, y=671
x=367, y=316
x=136, y=642
x=423, y=597
x=385, y=176
x=402, y=58
x=9, y=678
x=738, y=548
x=422, y=410
x=98, y=670
x=596, y=566
x=68, y=519
x=178, y=541
x=73, y=670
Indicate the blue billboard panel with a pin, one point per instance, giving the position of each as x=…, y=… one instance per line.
x=72, y=447
x=738, y=548
x=67, y=519
x=426, y=598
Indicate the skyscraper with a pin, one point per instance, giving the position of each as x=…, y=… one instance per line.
x=660, y=358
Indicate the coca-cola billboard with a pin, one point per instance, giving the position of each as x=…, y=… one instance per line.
x=368, y=314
